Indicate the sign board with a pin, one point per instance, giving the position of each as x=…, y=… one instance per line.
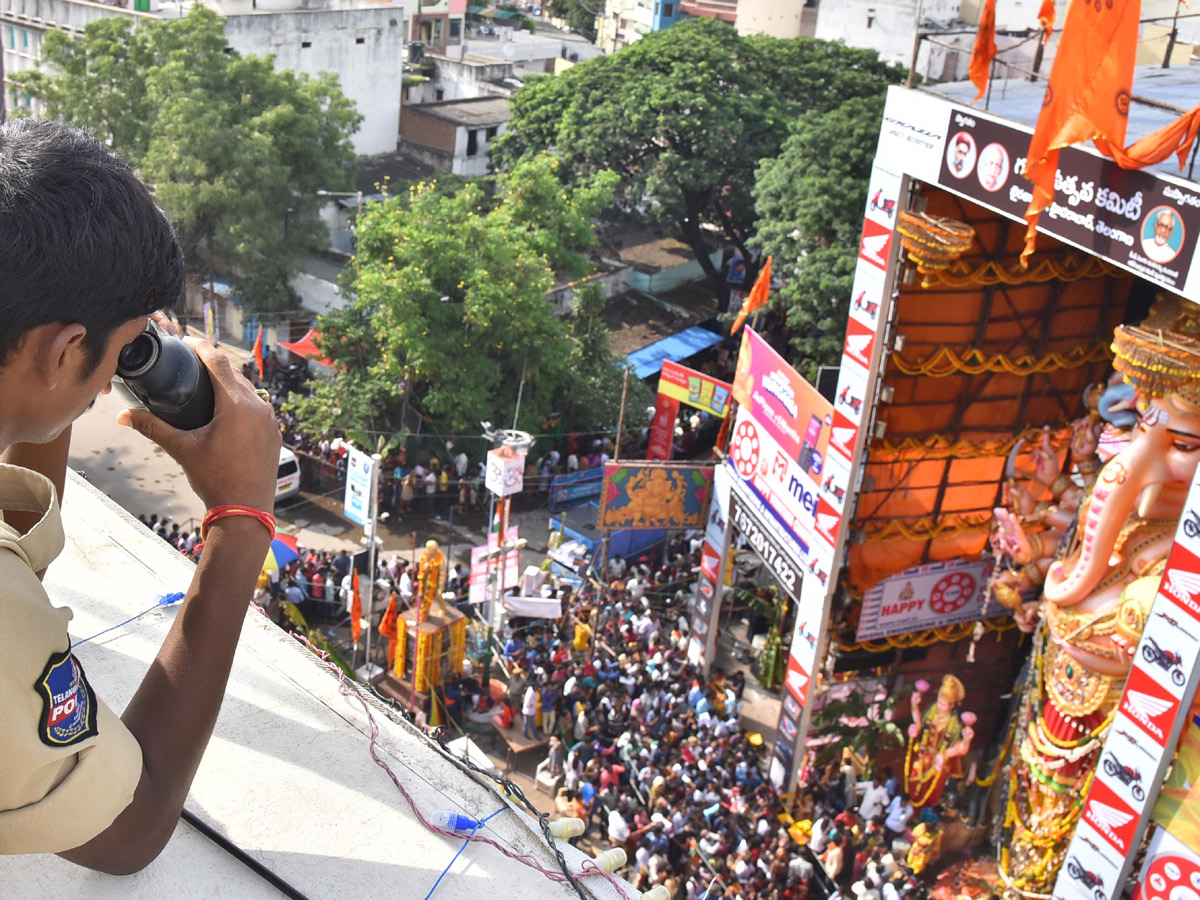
x=575, y=487
x=710, y=583
x=1145, y=731
x=505, y=471
x=357, y=505
x=928, y=596
x=662, y=429
x=654, y=495
x=1143, y=222
x=1170, y=871
x=695, y=389
x=481, y=566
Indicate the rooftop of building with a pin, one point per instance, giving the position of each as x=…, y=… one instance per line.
x=477, y=112
x=1160, y=96
x=288, y=776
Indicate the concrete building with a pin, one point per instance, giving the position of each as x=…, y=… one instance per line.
x=362, y=42
x=453, y=136
x=438, y=24
x=890, y=28
x=463, y=76
x=778, y=18
x=623, y=22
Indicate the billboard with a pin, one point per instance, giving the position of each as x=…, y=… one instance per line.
x=577, y=487
x=505, y=473
x=654, y=495
x=929, y=596
x=1143, y=222
x=695, y=389
x=357, y=505
x=481, y=566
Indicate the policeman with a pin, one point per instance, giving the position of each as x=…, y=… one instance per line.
x=86, y=257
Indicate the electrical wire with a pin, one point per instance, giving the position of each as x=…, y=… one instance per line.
x=450, y=864
x=164, y=600
x=240, y=855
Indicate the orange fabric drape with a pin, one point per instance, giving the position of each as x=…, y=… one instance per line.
x=388, y=627
x=258, y=354
x=758, y=296
x=984, y=50
x=355, y=609
x=1087, y=96
x=1177, y=138
x=1046, y=16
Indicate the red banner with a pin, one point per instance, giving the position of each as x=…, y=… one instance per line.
x=666, y=409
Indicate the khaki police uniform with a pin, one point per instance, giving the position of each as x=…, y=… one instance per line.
x=68, y=765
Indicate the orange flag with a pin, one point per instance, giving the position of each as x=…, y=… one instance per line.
x=258, y=354
x=1087, y=96
x=1176, y=137
x=355, y=609
x=984, y=50
x=759, y=294
x=1046, y=16
x=388, y=629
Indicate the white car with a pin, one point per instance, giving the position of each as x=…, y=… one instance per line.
x=288, y=483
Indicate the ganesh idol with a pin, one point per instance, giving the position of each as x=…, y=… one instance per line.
x=1097, y=592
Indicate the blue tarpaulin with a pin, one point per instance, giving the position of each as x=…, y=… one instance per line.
x=649, y=360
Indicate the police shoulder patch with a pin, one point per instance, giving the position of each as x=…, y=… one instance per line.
x=68, y=702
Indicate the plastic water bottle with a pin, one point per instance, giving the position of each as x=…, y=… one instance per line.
x=449, y=820
x=611, y=860
x=566, y=828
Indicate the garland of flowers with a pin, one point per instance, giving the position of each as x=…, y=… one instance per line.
x=933, y=242
x=938, y=447
x=948, y=634
x=945, y=362
x=960, y=275
x=925, y=528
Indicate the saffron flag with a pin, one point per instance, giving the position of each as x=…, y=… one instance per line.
x=984, y=50
x=258, y=354
x=759, y=295
x=1087, y=96
x=389, y=629
x=1176, y=137
x=1046, y=16
x=355, y=609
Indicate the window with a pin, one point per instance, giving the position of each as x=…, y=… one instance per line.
x=456, y=31
x=440, y=95
x=491, y=132
x=668, y=10
x=12, y=37
x=304, y=45
x=472, y=142
x=24, y=37
x=360, y=40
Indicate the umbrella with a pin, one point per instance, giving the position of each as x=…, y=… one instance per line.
x=283, y=551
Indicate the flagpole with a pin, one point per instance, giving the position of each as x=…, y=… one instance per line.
x=373, y=503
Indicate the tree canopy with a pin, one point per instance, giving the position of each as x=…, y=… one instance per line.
x=810, y=201
x=234, y=150
x=684, y=116
x=449, y=307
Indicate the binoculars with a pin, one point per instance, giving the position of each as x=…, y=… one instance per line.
x=159, y=372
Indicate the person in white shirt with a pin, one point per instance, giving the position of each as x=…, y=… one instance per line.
x=899, y=811
x=529, y=708
x=618, y=828
x=406, y=585
x=874, y=800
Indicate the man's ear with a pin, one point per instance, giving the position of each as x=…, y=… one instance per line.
x=59, y=351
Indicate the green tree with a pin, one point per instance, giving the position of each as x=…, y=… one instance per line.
x=809, y=201
x=449, y=306
x=578, y=14
x=684, y=116
x=234, y=149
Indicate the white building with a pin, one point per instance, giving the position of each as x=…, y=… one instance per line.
x=778, y=18
x=890, y=28
x=361, y=42
x=454, y=135
x=622, y=22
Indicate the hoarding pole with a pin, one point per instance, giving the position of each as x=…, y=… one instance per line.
x=621, y=417
x=376, y=459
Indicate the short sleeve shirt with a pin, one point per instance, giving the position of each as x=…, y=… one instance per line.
x=70, y=764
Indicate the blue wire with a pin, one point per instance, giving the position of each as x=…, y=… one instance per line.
x=164, y=600
x=460, y=850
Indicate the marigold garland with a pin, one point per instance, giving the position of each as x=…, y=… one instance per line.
x=926, y=528
x=938, y=447
x=949, y=634
x=960, y=275
x=945, y=362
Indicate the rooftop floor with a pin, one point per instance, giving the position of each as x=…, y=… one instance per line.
x=287, y=776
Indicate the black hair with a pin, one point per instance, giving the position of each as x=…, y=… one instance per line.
x=81, y=239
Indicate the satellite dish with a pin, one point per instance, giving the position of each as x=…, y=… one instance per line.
x=508, y=50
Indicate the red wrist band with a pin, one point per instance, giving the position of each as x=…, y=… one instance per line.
x=224, y=512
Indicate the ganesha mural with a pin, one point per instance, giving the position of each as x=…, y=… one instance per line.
x=1098, y=550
